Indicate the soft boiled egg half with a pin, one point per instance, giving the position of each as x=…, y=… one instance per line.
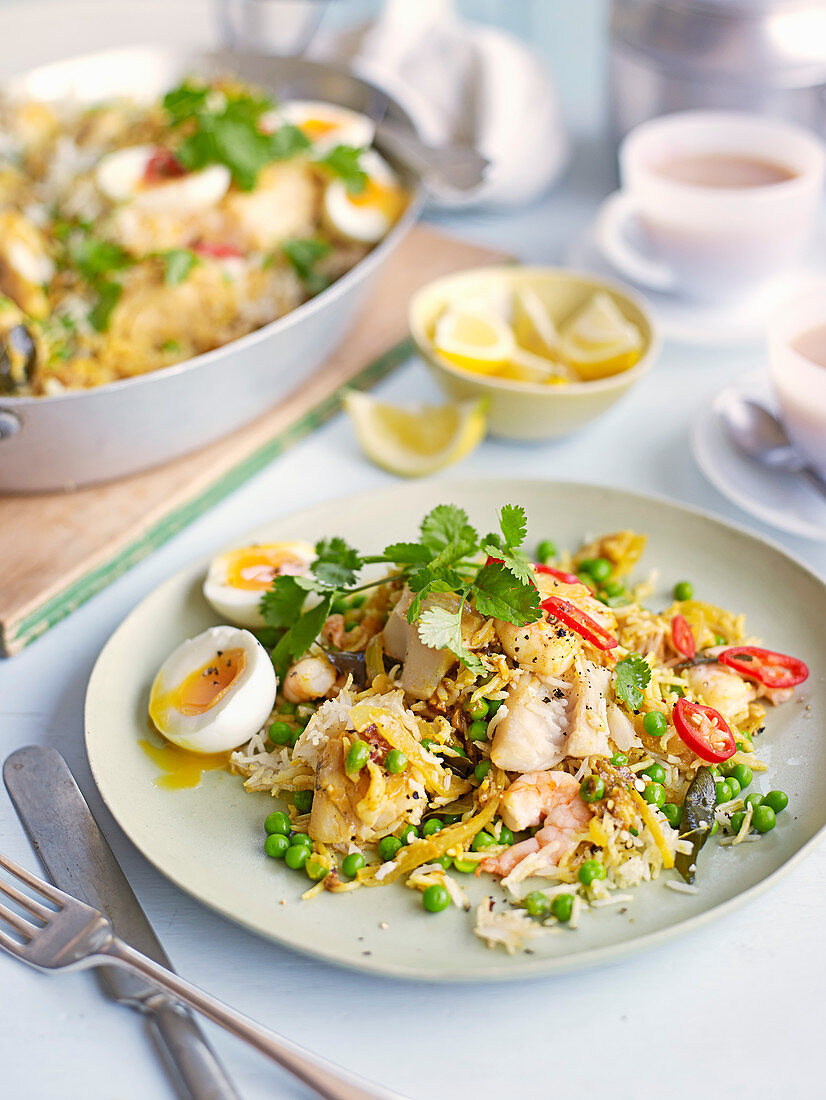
x=368, y=215
x=214, y=691
x=238, y=579
x=151, y=179
x=327, y=125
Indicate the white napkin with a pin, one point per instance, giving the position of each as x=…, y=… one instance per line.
x=467, y=84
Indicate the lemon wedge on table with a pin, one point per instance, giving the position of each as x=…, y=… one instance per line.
x=413, y=443
x=599, y=341
x=473, y=340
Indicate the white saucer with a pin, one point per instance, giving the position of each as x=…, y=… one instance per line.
x=780, y=499
x=689, y=322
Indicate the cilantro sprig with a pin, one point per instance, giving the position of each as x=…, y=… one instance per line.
x=444, y=560
x=304, y=254
x=633, y=675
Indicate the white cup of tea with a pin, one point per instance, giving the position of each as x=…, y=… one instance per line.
x=797, y=364
x=712, y=203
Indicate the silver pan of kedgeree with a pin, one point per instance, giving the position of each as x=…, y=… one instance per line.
x=183, y=238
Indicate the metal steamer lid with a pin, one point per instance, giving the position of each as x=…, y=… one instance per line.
x=759, y=43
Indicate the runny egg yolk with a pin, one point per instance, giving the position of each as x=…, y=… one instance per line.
x=254, y=567
x=315, y=128
x=206, y=686
x=387, y=198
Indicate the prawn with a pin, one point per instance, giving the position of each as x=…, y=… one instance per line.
x=550, y=799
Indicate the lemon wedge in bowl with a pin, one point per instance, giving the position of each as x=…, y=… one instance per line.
x=414, y=443
x=527, y=367
x=599, y=341
x=475, y=341
x=533, y=325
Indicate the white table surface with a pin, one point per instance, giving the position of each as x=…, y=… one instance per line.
x=737, y=1005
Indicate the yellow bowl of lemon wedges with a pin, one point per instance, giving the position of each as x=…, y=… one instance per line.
x=550, y=349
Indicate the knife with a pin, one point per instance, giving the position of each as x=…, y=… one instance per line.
x=74, y=851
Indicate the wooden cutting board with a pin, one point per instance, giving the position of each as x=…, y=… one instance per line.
x=102, y=531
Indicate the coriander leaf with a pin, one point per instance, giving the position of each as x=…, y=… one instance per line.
x=514, y=524
x=500, y=594
x=444, y=524
x=301, y=635
x=288, y=141
x=343, y=161
x=94, y=258
x=281, y=605
x=442, y=629
x=304, y=254
x=407, y=553
x=108, y=297
x=336, y=564
x=183, y=102
x=492, y=540
x=514, y=563
x=633, y=674
x=178, y=263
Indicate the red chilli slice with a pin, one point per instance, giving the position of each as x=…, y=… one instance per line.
x=217, y=251
x=566, y=578
x=163, y=165
x=775, y=670
x=704, y=730
x=682, y=636
x=577, y=620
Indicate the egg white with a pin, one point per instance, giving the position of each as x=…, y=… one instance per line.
x=119, y=175
x=356, y=221
x=240, y=605
x=241, y=712
x=348, y=127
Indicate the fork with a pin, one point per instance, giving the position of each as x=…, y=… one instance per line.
x=67, y=934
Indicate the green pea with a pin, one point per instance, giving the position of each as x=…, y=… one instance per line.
x=734, y=786
x=296, y=856
x=763, y=819
x=481, y=770
x=459, y=751
x=388, y=847
x=357, y=757
x=477, y=710
x=743, y=774
x=395, y=761
x=546, y=551
x=613, y=588
x=280, y=733
x=655, y=723
x=723, y=792
x=737, y=821
x=505, y=836
x=478, y=731
x=301, y=838
x=601, y=569
x=358, y=600
x=303, y=801
x=683, y=590
x=276, y=845
x=445, y=862
x=315, y=868
x=431, y=826
x=481, y=841
x=655, y=772
x=451, y=819
x=754, y=800
x=585, y=566
x=654, y=795
x=592, y=788
x=719, y=639
x=465, y=866
x=338, y=606
x=619, y=759
x=777, y=801
x=537, y=904
x=435, y=898
x=408, y=834
x=493, y=706
x=429, y=745
x=562, y=906
x=286, y=708
x=295, y=736
x=352, y=864
x=673, y=813
x=590, y=870
x=714, y=772
x=277, y=822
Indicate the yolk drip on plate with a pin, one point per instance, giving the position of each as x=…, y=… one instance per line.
x=182, y=769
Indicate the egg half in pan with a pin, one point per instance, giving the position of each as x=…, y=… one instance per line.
x=327, y=125
x=238, y=579
x=368, y=215
x=214, y=691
